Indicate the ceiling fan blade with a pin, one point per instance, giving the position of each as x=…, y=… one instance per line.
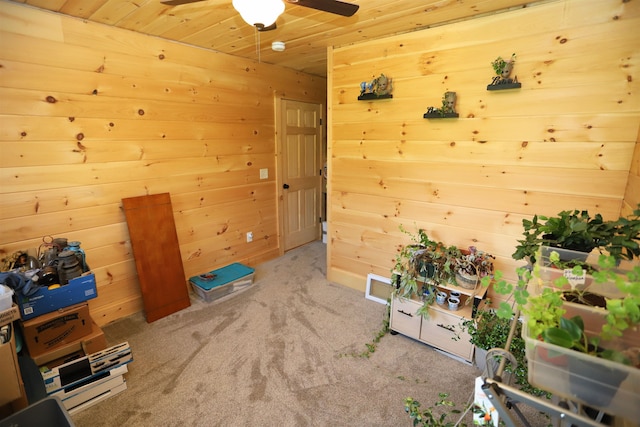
x=178, y=2
x=331, y=6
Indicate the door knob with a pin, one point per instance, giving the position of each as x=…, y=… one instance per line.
x=285, y=186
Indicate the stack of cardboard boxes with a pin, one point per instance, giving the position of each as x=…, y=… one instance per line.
x=56, y=323
x=60, y=336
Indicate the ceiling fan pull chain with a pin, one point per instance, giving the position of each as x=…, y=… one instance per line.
x=256, y=37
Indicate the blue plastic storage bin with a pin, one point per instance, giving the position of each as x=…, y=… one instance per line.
x=223, y=281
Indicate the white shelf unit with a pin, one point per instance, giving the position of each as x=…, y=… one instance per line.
x=441, y=329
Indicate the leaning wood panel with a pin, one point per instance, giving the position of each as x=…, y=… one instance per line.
x=157, y=253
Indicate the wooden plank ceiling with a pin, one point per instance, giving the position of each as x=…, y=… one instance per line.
x=215, y=24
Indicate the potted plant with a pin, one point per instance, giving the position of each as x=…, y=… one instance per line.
x=544, y=309
x=423, y=265
x=487, y=330
x=472, y=266
x=579, y=231
x=502, y=67
x=570, y=334
x=581, y=340
x=600, y=339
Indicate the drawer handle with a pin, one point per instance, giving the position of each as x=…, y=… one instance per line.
x=448, y=328
x=405, y=313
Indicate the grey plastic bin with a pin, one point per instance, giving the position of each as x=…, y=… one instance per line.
x=46, y=412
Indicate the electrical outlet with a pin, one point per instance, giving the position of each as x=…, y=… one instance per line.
x=264, y=173
x=250, y=236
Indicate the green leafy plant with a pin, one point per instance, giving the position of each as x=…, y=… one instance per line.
x=544, y=311
x=430, y=417
x=578, y=267
x=486, y=329
x=570, y=334
x=573, y=230
x=622, y=237
x=499, y=64
x=422, y=265
x=579, y=231
x=373, y=345
x=426, y=263
x=623, y=313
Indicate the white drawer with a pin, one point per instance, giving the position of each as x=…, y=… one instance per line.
x=439, y=329
x=403, y=317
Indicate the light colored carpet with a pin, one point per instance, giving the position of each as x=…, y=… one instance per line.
x=274, y=355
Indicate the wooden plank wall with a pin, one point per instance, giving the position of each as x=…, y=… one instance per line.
x=90, y=114
x=565, y=140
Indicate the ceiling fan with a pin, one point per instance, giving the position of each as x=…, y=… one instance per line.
x=332, y=6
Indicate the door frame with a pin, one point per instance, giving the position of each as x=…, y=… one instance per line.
x=321, y=158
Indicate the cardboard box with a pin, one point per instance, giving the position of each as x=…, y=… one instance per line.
x=9, y=371
x=89, y=344
x=54, y=330
x=78, y=290
x=8, y=316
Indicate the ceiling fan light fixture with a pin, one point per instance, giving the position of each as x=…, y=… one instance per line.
x=259, y=13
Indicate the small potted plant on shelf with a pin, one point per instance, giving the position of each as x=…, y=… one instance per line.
x=503, y=67
x=423, y=265
x=472, y=266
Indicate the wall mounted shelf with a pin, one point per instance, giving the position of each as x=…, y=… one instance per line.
x=440, y=116
x=503, y=86
x=371, y=96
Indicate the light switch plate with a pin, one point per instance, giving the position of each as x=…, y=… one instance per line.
x=264, y=173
